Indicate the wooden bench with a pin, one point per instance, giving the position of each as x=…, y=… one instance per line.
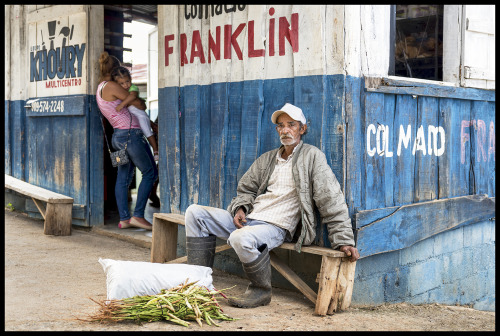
x=58, y=213
x=336, y=276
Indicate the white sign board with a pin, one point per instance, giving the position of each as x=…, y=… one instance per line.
x=58, y=56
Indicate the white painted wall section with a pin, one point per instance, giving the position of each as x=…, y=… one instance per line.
x=253, y=42
x=479, y=46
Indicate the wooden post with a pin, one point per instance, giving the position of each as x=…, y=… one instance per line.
x=327, y=283
x=341, y=298
x=58, y=219
x=164, y=241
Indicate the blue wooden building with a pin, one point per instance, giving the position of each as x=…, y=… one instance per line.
x=415, y=156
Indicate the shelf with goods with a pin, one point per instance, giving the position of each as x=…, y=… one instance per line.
x=419, y=41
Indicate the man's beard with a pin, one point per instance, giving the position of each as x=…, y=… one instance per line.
x=287, y=140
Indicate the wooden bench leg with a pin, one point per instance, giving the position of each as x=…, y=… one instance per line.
x=58, y=219
x=341, y=298
x=164, y=241
x=40, y=206
x=290, y=275
x=327, y=283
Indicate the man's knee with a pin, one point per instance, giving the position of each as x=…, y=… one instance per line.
x=191, y=213
x=240, y=239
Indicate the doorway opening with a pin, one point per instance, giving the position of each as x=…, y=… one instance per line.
x=128, y=31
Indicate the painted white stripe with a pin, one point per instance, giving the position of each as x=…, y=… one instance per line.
x=272, y=41
x=317, y=26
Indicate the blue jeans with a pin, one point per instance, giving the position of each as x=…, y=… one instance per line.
x=141, y=157
x=203, y=220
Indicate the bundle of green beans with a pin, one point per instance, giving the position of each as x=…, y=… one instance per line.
x=179, y=304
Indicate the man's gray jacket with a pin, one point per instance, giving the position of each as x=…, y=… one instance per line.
x=316, y=185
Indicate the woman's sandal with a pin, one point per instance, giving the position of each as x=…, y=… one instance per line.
x=139, y=224
x=124, y=224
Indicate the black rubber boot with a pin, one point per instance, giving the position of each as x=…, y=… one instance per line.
x=259, y=290
x=201, y=250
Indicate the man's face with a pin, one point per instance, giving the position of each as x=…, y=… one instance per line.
x=289, y=130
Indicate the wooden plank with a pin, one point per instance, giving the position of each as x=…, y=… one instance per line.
x=233, y=141
x=180, y=220
x=79, y=211
x=327, y=284
x=366, y=217
x=190, y=135
x=96, y=176
x=376, y=157
x=204, y=155
x=40, y=206
x=169, y=138
x=7, y=85
x=170, y=217
x=412, y=223
x=426, y=173
x=390, y=152
x=341, y=298
x=18, y=133
x=219, y=111
x=323, y=251
x=58, y=219
x=355, y=146
x=483, y=147
x=164, y=240
x=453, y=167
x=404, y=170
x=347, y=274
x=290, y=275
x=428, y=88
x=35, y=191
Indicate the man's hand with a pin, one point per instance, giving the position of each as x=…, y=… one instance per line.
x=239, y=218
x=350, y=251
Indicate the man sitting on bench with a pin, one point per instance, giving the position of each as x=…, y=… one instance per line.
x=279, y=191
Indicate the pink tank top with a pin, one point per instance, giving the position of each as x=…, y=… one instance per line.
x=119, y=119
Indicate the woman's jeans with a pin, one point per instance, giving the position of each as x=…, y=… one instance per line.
x=201, y=221
x=141, y=157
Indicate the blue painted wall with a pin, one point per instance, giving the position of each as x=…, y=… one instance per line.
x=446, y=267
x=454, y=267
x=61, y=152
x=211, y=134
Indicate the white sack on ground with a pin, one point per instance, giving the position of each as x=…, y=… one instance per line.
x=126, y=279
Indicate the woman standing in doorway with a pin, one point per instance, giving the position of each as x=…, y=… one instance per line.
x=109, y=95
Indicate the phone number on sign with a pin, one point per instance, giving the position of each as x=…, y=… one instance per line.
x=48, y=106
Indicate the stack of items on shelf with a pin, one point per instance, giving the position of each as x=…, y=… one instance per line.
x=415, y=32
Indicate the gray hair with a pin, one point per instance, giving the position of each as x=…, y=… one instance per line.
x=301, y=124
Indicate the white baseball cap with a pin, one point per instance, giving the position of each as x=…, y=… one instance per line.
x=293, y=111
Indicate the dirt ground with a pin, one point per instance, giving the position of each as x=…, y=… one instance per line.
x=48, y=282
